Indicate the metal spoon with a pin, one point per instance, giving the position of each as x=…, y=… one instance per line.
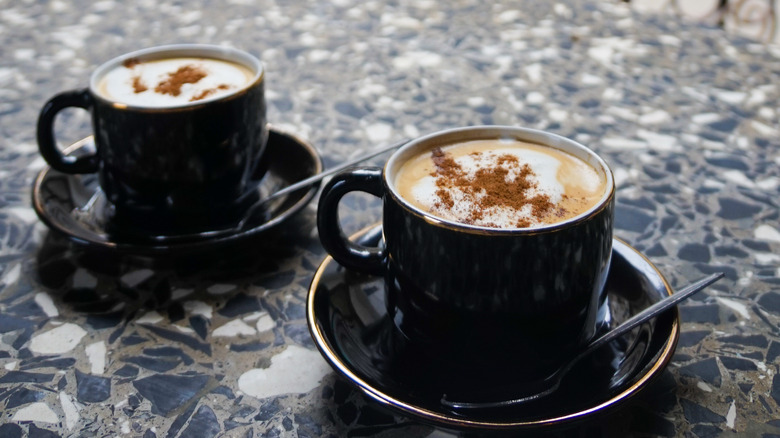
x=315, y=178
x=555, y=379
x=304, y=183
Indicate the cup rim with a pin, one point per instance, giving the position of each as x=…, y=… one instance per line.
x=184, y=50
x=481, y=132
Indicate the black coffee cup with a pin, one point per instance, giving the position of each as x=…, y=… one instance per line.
x=475, y=296
x=178, y=167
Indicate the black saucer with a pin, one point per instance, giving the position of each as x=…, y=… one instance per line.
x=347, y=319
x=60, y=200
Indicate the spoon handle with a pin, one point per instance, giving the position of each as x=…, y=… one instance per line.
x=654, y=310
x=239, y=226
x=555, y=379
x=312, y=179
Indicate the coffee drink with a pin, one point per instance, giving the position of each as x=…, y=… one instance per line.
x=173, y=82
x=180, y=134
x=500, y=183
x=496, y=245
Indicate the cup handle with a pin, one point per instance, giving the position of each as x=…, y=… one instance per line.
x=47, y=144
x=352, y=256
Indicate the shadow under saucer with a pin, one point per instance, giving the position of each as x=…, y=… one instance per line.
x=349, y=323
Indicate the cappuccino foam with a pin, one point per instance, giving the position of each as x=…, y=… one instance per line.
x=173, y=82
x=500, y=184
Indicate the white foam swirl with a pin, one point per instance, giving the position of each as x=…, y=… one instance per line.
x=221, y=78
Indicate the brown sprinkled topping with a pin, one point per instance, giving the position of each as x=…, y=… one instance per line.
x=184, y=75
x=490, y=187
x=131, y=62
x=206, y=93
x=138, y=86
x=188, y=74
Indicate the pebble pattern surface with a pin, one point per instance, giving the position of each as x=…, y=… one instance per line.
x=102, y=344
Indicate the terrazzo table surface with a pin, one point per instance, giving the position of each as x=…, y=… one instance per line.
x=104, y=344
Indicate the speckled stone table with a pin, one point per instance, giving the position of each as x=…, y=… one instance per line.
x=95, y=343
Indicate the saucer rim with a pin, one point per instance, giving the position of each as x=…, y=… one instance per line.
x=664, y=356
x=151, y=247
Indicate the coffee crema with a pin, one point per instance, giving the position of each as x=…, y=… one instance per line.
x=506, y=184
x=173, y=82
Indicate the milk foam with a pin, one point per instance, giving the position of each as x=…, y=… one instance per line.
x=221, y=78
x=563, y=179
x=544, y=168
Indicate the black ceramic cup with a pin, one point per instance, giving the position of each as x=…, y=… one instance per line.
x=479, y=298
x=171, y=168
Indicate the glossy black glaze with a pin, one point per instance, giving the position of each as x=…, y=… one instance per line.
x=348, y=318
x=351, y=255
x=482, y=295
x=531, y=295
x=47, y=144
x=191, y=168
x=60, y=201
x=170, y=170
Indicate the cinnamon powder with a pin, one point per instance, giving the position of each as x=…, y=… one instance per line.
x=206, y=93
x=187, y=74
x=490, y=188
x=131, y=62
x=138, y=86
